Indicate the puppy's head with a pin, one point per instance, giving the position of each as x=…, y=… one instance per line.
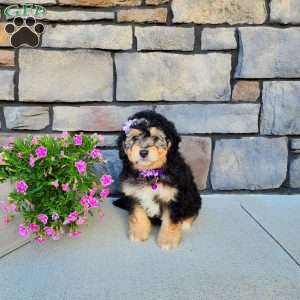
x=147, y=140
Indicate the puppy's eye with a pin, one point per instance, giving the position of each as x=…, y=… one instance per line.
x=135, y=139
x=158, y=139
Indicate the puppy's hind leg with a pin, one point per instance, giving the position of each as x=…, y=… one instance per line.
x=187, y=223
x=170, y=233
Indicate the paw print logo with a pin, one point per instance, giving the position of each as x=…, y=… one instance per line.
x=24, y=31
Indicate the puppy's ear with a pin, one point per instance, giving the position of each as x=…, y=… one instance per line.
x=174, y=138
x=120, y=143
x=174, y=143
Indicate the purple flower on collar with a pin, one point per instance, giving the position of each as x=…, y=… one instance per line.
x=127, y=126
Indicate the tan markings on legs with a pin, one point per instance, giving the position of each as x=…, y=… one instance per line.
x=187, y=223
x=139, y=225
x=170, y=233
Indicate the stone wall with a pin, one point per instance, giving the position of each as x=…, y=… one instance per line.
x=225, y=71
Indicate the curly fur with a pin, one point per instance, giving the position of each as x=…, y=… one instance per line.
x=179, y=174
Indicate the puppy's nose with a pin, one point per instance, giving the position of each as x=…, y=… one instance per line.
x=144, y=153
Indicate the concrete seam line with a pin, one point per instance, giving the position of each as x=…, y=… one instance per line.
x=270, y=235
x=14, y=249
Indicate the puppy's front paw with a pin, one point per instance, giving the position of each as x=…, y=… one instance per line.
x=138, y=236
x=139, y=225
x=169, y=239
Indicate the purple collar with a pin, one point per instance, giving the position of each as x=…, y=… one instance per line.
x=154, y=174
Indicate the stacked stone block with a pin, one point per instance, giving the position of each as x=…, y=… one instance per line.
x=226, y=72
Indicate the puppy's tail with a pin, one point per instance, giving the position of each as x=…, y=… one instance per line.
x=122, y=203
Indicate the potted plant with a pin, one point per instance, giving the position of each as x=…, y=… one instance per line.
x=55, y=185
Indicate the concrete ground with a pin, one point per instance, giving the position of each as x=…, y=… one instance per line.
x=241, y=247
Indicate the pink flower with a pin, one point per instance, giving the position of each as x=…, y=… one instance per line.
x=5, y=220
x=105, y=193
x=23, y=230
x=81, y=221
x=98, y=137
x=55, y=183
x=93, y=202
x=55, y=216
x=43, y=218
x=81, y=166
x=34, y=227
x=71, y=217
x=41, y=152
x=31, y=161
x=40, y=239
x=9, y=143
x=55, y=236
x=106, y=180
x=10, y=140
x=20, y=155
x=34, y=140
x=49, y=230
x=74, y=234
x=13, y=207
x=4, y=206
x=95, y=153
x=65, y=187
x=77, y=140
x=93, y=191
x=9, y=147
x=21, y=186
x=89, y=200
x=64, y=135
x=7, y=207
x=84, y=201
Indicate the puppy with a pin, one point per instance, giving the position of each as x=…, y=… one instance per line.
x=155, y=181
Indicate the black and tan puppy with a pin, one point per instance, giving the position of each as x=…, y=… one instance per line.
x=155, y=180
